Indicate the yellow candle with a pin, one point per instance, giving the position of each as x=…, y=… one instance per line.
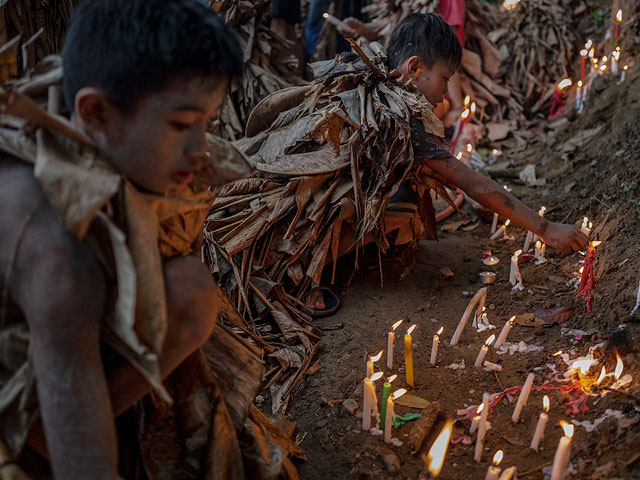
x=408, y=356
x=373, y=359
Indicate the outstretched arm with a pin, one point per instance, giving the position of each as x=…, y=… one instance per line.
x=564, y=237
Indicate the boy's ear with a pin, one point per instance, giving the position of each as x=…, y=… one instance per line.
x=414, y=64
x=92, y=110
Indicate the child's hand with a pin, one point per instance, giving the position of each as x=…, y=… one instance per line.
x=566, y=238
x=352, y=27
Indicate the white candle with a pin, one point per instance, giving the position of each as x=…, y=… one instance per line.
x=333, y=20
x=541, y=425
x=504, y=332
x=371, y=361
x=374, y=398
x=514, y=274
x=502, y=229
x=390, y=412
x=527, y=241
x=509, y=473
x=623, y=75
x=585, y=226
x=637, y=301
x=391, y=341
x=434, y=346
x=494, y=223
x=540, y=250
x=483, y=351
x=494, y=470
x=478, y=299
x=366, y=404
x=482, y=428
x=540, y=213
x=615, y=56
x=563, y=452
x=476, y=419
x=522, y=399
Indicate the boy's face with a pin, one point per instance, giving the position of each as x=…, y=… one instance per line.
x=432, y=82
x=161, y=143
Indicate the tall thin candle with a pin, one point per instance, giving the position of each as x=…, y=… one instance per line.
x=542, y=423
x=386, y=391
x=390, y=413
x=408, y=355
x=482, y=428
x=504, y=332
x=563, y=452
x=434, y=346
x=522, y=399
x=391, y=341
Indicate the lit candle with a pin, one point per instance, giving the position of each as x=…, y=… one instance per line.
x=522, y=399
x=438, y=450
x=542, y=423
x=482, y=428
x=585, y=226
x=386, y=391
x=434, y=346
x=579, y=97
x=491, y=261
x=494, y=470
x=502, y=229
x=527, y=241
x=504, y=332
x=539, y=252
x=462, y=121
x=515, y=278
x=623, y=74
x=563, y=452
x=483, y=351
x=558, y=99
x=408, y=355
x=371, y=361
x=391, y=341
x=618, y=22
x=541, y=214
x=478, y=299
x=615, y=56
x=494, y=223
x=583, y=54
x=390, y=413
x=476, y=419
x=369, y=400
x=336, y=22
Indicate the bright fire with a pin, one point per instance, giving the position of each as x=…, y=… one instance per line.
x=467, y=100
x=411, y=329
x=465, y=114
x=582, y=365
x=490, y=340
x=376, y=376
x=480, y=408
x=564, y=83
x=567, y=427
x=497, y=458
x=439, y=332
x=595, y=243
x=398, y=393
x=438, y=450
x=545, y=403
x=603, y=373
x=377, y=357
x=619, y=16
x=396, y=325
x=392, y=378
x=619, y=368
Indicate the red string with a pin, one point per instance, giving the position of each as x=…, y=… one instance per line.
x=588, y=282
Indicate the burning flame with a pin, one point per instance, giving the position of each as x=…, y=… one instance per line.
x=626, y=67
x=584, y=52
x=510, y=4
x=595, y=243
x=438, y=450
x=396, y=325
x=616, y=55
x=469, y=148
x=538, y=244
x=512, y=319
x=559, y=352
x=398, y=393
x=497, y=458
x=506, y=224
x=582, y=365
x=542, y=210
x=603, y=373
x=459, y=155
x=564, y=83
x=467, y=100
x=604, y=59
x=592, y=53
x=411, y=329
x=465, y=114
x=580, y=83
x=376, y=376
x=480, y=408
x=603, y=68
x=490, y=340
x=517, y=253
x=495, y=150
x=376, y=357
x=619, y=367
x=588, y=44
x=439, y=332
x=581, y=270
x=545, y=403
x=590, y=225
x=567, y=427
x=473, y=108
x=392, y=378
x=619, y=15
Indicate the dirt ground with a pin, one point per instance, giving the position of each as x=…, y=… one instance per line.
x=599, y=179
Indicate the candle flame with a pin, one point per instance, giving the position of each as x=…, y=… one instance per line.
x=564, y=83
x=517, y=253
x=603, y=68
x=581, y=270
x=626, y=67
x=397, y=324
x=325, y=15
x=467, y=100
x=377, y=357
x=376, y=376
x=619, y=15
x=438, y=450
x=619, y=367
x=507, y=223
x=465, y=114
x=592, y=52
x=584, y=52
x=392, y=378
x=616, y=55
x=582, y=365
x=510, y=4
x=595, y=243
x=473, y=108
x=512, y=319
x=538, y=244
x=567, y=427
x=604, y=59
x=590, y=225
x=439, y=332
x=459, y=155
x=585, y=220
x=497, y=458
x=588, y=44
x=580, y=83
x=603, y=372
x=398, y=393
x=490, y=340
x=545, y=403
x=411, y=329
x=495, y=150
x=559, y=352
x=469, y=148
x=480, y=408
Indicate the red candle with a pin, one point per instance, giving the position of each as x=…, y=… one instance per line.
x=587, y=281
x=558, y=100
x=618, y=21
x=583, y=55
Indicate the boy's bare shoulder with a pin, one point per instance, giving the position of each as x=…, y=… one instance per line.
x=34, y=236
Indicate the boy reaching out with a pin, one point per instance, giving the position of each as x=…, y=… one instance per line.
x=92, y=317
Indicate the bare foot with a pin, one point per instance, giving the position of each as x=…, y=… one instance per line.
x=315, y=300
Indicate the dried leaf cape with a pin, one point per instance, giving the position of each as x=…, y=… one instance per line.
x=192, y=424
x=327, y=163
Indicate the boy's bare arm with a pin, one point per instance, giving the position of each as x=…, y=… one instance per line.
x=60, y=288
x=567, y=238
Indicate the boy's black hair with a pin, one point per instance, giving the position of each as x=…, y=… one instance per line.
x=131, y=48
x=427, y=36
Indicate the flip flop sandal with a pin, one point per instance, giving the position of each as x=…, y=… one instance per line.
x=331, y=301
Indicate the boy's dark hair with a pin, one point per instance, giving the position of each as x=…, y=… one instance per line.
x=131, y=48
x=427, y=36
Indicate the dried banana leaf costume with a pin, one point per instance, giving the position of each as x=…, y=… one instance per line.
x=327, y=169
x=186, y=428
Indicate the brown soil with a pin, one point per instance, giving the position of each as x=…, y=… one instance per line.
x=600, y=180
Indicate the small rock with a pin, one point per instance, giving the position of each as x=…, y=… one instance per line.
x=391, y=462
x=350, y=406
